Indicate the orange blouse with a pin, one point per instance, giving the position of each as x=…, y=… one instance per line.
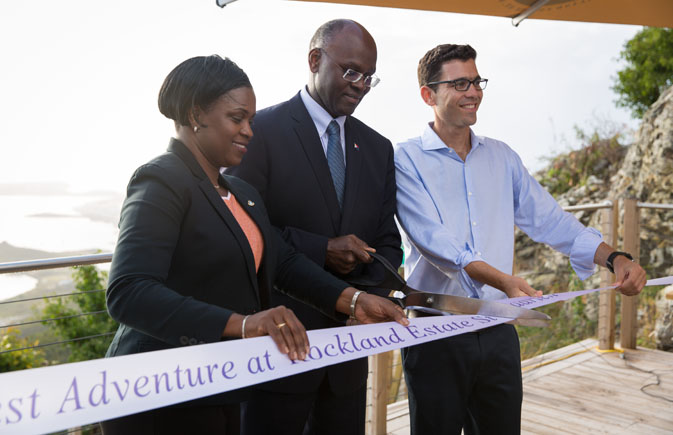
x=248, y=226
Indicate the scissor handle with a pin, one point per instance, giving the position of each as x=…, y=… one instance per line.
x=391, y=280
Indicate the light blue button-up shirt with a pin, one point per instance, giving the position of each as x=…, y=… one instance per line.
x=454, y=212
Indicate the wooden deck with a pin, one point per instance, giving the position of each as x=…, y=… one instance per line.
x=579, y=390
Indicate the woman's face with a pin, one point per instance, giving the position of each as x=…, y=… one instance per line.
x=225, y=128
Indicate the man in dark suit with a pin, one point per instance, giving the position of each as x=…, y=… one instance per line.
x=334, y=210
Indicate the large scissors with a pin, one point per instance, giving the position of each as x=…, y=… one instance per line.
x=442, y=304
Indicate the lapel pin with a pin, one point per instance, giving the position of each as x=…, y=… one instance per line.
x=357, y=148
x=250, y=203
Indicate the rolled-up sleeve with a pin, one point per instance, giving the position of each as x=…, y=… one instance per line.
x=583, y=252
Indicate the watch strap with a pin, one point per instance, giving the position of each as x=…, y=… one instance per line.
x=609, y=263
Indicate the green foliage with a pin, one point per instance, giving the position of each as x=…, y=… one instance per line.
x=569, y=322
x=648, y=71
x=647, y=301
x=19, y=360
x=598, y=156
x=87, y=278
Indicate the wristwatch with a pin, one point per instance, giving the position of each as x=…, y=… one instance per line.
x=611, y=258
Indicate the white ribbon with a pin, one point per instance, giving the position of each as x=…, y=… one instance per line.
x=54, y=398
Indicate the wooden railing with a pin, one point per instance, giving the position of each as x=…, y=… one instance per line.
x=631, y=238
x=628, y=331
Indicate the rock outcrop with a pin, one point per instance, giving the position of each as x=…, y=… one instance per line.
x=663, y=327
x=643, y=170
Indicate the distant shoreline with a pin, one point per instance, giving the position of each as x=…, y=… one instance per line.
x=57, y=222
x=42, y=282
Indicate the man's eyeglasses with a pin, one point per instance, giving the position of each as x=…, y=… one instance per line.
x=464, y=84
x=350, y=75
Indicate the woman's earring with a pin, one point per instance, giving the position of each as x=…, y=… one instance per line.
x=196, y=129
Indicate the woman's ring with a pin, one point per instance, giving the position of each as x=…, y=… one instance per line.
x=280, y=325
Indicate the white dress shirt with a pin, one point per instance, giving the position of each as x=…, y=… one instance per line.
x=321, y=119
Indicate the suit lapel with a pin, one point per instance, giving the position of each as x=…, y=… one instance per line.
x=228, y=218
x=257, y=214
x=353, y=170
x=220, y=207
x=310, y=142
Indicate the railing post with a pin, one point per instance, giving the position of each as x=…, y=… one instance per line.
x=606, y=301
x=629, y=310
x=380, y=381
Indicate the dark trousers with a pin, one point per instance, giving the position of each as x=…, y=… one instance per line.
x=471, y=381
x=317, y=413
x=221, y=420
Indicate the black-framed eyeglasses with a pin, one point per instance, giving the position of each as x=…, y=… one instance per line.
x=350, y=75
x=464, y=84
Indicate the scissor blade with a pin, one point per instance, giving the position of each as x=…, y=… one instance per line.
x=415, y=309
x=461, y=305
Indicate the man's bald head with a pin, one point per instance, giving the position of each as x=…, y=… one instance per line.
x=324, y=34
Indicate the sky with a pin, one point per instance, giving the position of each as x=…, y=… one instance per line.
x=79, y=78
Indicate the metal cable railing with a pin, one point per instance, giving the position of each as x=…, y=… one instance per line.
x=54, y=263
x=655, y=206
x=71, y=331
x=53, y=319
x=50, y=296
x=72, y=340
x=589, y=207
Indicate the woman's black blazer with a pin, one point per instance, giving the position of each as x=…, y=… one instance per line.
x=182, y=264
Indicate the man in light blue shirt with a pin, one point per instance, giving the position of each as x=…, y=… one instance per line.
x=459, y=197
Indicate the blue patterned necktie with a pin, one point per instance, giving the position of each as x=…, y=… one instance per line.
x=335, y=160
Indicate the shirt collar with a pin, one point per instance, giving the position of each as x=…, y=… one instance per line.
x=431, y=141
x=318, y=114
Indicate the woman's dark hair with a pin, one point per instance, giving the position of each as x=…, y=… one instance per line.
x=430, y=65
x=198, y=82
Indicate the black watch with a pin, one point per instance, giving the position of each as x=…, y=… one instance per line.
x=611, y=258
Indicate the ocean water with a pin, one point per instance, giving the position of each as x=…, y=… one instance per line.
x=14, y=284
x=60, y=223
x=57, y=224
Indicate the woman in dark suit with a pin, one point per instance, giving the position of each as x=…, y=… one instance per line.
x=196, y=256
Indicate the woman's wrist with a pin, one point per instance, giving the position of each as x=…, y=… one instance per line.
x=234, y=326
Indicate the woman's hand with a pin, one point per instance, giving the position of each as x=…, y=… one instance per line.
x=280, y=323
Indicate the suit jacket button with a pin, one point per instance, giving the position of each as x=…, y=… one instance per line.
x=184, y=340
x=192, y=341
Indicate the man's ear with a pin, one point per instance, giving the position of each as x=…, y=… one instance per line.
x=314, y=57
x=428, y=95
